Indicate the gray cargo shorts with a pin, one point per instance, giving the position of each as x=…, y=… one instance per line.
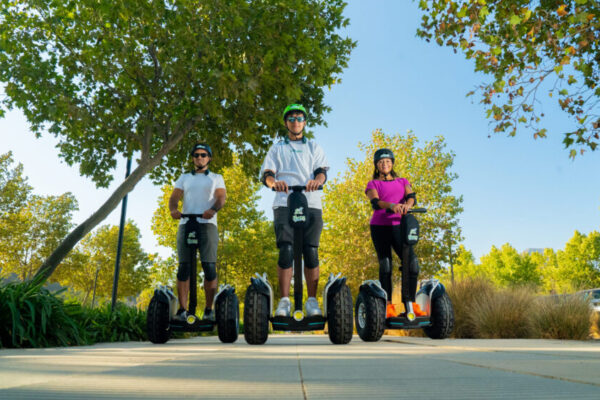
x=208, y=242
x=285, y=233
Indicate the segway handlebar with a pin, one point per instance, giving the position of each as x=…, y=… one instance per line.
x=297, y=188
x=191, y=215
x=420, y=210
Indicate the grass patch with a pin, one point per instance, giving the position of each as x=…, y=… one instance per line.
x=562, y=317
x=464, y=294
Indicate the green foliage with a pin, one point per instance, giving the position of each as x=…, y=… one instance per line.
x=97, y=254
x=111, y=78
x=346, y=244
x=31, y=316
x=576, y=267
x=31, y=226
x=527, y=48
x=121, y=325
x=506, y=267
x=562, y=317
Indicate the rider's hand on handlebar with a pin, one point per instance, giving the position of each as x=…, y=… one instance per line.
x=280, y=186
x=176, y=214
x=404, y=208
x=312, y=185
x=208, y=214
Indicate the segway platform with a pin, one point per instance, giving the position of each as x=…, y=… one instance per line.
x=314, y=323
x=192, y=324
x=402, y=322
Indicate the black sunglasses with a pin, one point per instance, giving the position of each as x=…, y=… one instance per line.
x=293, y=119
x=203, y=155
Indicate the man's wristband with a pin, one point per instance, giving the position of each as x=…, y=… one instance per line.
x=215, y=209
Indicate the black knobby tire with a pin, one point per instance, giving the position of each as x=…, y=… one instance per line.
x=339, y=316
x=256, y=317
x=442, y=318
x=228, y=317
x=157, y=321
x=370, y=317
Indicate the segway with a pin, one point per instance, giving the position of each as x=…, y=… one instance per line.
x=337, y=299
x=160, y=320
x=370, y=309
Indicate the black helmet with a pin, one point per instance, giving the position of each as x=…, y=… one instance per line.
x=202, y=146
x=381, y=154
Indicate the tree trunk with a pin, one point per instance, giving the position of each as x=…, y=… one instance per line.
x=109, y=205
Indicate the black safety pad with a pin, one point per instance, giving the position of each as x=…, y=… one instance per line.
x=298, y=210
x=409, y=228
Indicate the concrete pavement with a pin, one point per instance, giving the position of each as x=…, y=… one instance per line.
x=307, y=367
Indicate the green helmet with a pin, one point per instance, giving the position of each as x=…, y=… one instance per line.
x=294, y=107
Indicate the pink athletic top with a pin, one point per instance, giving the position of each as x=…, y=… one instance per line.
x=390, y=191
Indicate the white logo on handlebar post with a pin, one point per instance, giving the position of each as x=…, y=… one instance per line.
x=299, y=215
x=191, y=239
x=413, y=235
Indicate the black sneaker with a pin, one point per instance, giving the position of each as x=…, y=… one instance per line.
x=209, y=315
x=181, y=315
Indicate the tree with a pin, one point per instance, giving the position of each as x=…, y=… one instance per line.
x=579, y=262
x=246, y=239
x=527, y=48
x=346, y=244
x=509, y=268
x=149, y=78
x=97, y=254
x=14, y=189
x=28, y=235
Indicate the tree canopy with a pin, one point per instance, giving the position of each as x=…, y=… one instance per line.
x=530, y=49
x=117, y=79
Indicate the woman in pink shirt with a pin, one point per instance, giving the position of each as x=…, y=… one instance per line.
x=388, y=192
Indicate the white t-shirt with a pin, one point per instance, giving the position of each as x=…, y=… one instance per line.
x=294, y=162
x=199, y=193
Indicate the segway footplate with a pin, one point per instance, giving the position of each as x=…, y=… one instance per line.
x=314, y=323
x=403, y=323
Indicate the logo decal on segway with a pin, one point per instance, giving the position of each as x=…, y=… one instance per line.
x=299, y=215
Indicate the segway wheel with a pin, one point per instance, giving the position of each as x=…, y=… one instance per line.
x=370, y=317
x=339, y=316
x=256, y=317
x=157, y=321
x=442, y=318
x=228, y=317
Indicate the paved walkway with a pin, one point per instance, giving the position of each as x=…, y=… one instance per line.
x=307, y=367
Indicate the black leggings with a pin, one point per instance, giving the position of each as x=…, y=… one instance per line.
x=386, y=237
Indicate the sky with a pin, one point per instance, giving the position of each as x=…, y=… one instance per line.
x=515, y=190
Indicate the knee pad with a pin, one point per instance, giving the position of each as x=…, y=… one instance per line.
x=183, y=272
x=286, y=256
x=385, y=266
x=210, y=271
x=311, y=256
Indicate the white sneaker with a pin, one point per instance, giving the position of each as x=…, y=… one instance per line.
x=312, y=307
x=283, y=308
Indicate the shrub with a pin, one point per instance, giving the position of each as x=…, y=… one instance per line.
x=503, y=314
x=464, y=294
x=31, y=316
x=104, y=325
x=561, y=317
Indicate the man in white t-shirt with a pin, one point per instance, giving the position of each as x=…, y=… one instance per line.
x=203, y=192
x=296, y=161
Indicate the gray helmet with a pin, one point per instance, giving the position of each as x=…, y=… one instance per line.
x=381, y=154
